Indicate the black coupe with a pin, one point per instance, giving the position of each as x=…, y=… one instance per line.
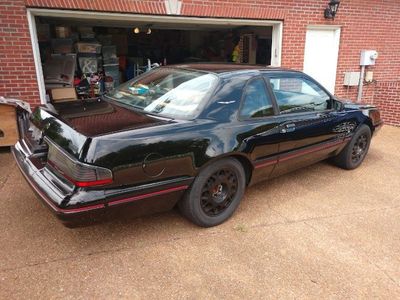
x=193, y=135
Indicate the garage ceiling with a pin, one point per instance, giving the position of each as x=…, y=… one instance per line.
x=129, y=24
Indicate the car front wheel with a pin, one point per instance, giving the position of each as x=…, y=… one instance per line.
x=355, y=151
x=215, y=193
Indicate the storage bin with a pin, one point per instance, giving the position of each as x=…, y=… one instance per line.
x=93, y=48
x=88, y=64
x=63, y=32
x=86, y=32
x=58, y=71
x=112, y=70
x=88, y=37
x=109, y=55
x=61, y=46
x=104, y=39
x=109, y=51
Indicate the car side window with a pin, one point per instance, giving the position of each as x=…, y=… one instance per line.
x=298, y=94
x=256, y=101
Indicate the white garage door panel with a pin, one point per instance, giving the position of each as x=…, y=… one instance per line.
x=321, y=55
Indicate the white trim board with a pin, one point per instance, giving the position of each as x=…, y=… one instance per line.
x=277, y=29
x=326, y=27
x=36, y=57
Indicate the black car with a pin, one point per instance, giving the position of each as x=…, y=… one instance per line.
x=193, y=135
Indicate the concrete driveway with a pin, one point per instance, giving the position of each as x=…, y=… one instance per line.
x=318, y=232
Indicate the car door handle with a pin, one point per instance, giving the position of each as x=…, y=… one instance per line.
x=322, y=115
x=288, y=128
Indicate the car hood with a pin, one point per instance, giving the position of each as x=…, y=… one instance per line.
x=370, y=111
x=351, y=105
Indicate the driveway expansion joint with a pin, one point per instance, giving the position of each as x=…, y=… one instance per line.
x=188, y=237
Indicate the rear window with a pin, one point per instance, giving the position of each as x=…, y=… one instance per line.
x=167, y=91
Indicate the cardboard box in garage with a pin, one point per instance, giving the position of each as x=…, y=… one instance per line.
x=8, y=125
x=63, y=94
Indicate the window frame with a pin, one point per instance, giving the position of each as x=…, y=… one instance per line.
x=267, y=92
x=268, y=76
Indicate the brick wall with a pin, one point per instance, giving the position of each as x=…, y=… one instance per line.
x=387, y=98
x=17, y=69
x=365, y=24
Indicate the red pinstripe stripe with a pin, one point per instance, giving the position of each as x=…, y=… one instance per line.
x=302, y=152
x=148, y=195
x=268, y=163
x=307, y=151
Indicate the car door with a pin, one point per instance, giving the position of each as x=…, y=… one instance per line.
x=259, y=135
x=306, y=120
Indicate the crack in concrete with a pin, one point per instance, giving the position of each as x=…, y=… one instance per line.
x=187, y=237
x=365, y=256
x=278, y=213
x=384, y=272
x=291, y=221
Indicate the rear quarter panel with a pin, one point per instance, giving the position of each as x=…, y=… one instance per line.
x=174, y=151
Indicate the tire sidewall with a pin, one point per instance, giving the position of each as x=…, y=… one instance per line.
x=364, y=129
x=193, y=195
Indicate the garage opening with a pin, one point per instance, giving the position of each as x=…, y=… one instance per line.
x=87, y=57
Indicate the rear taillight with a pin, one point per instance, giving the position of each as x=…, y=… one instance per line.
x=80, y=174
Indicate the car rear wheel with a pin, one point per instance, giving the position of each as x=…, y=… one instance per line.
x=215, y=193
x=355, y=151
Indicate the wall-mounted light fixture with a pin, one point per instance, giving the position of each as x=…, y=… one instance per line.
x=332, y=9
x=136, y=30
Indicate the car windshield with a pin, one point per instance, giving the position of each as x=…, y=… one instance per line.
x=170, y=92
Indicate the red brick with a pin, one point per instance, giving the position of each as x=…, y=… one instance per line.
x=375, y=26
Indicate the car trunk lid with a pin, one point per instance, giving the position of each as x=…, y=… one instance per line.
x=72, y=125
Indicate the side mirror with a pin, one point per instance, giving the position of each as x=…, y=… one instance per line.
x=338, y=105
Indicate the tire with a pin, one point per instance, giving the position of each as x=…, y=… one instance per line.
x=215, y=193
x=355, y=151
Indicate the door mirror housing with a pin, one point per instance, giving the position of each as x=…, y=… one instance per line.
x=338, y=105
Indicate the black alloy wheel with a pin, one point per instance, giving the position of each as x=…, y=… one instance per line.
x=215, y=193
x=359, y=148
x=355, y=151
x=218, y=192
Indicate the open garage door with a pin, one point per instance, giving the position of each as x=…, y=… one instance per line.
x=72, y=46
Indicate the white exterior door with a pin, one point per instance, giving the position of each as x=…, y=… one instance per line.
x=321, y=55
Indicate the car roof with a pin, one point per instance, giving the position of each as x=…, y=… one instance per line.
x=228, y=67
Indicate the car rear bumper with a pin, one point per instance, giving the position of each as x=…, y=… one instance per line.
x=83, y=206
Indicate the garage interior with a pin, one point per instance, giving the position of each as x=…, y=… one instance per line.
x=86, y=58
